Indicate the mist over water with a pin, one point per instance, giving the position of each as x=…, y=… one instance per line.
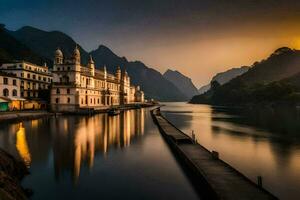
x=258, y=142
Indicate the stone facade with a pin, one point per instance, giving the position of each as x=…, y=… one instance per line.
x=34, y=80
x=83, y=87
x=10, y=85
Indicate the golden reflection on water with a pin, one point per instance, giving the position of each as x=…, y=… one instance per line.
x=77, y=142
x=251, y=148
x=22, y=146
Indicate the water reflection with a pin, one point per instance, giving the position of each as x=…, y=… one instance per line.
x=263, y=141
x=74, y=141
x=84, y=137
x=22, y=146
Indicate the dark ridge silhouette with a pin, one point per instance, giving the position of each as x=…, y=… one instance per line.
x=272, y=80
x=150, y=80
x=44, y=43
x=224, y=77
x=182, y=82
x=12, y=50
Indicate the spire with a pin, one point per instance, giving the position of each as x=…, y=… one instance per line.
x=76, y=55
x=91, y=61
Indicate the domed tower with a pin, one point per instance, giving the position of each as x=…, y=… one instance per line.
x=118, y=73
x=76, y=55
x=58, y=57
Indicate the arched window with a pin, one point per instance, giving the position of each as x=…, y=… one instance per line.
x=5, y=92
x=57, y=100
x=57, y=91
x=69, y=100
x=15, y=93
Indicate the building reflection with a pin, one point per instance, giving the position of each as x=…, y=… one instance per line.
x=77, y=140
x=22, y=146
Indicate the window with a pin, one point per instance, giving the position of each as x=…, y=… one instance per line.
x=69, y=100
x=22, y=74
x=33, y=76
x=22, y=94
x=28, y=75
x=69, y=68
x=58, y=69
x=57, y=91
x=81, y=101
x=14, y=82
x=5, y=92
x=98, y=100
x=57, y=100
x=15, y=93
x=68, y=91
x=5, y=81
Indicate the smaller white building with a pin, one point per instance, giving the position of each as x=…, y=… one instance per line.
x=9, y=85
x=35, y=79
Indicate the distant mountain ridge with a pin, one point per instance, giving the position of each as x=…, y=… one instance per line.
x=12, y=49
x=224, y=77
x=150, y=80
x=268, y=80
x=44, y=43
x=182, y=82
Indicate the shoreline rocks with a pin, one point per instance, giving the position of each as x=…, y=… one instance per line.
x=12, y=172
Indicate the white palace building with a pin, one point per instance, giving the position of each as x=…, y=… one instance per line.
x=76, y=87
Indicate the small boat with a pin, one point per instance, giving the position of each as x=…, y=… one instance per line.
x=113, y=112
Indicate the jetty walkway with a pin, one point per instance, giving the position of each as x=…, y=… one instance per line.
x=213, y=177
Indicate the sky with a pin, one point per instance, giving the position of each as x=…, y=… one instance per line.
x=199, y=38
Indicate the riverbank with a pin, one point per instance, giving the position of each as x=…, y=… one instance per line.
x=12, y=172
x=214, y=178
x=16, y=116
x=105, y=109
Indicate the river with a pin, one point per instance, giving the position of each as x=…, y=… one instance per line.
x=96, y=157
x=92, y=157
x=258, y=142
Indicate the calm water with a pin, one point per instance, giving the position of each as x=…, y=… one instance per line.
x=98, y=157
x=264, y=141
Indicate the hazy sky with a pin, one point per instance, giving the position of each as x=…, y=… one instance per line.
x=197, y=37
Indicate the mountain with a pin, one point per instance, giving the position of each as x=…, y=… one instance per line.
x=11, y=49
x=204, y=89
x=44, y=43
x=151, y=81
x=182, y=82
x=225, y=77
x=263, y=80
